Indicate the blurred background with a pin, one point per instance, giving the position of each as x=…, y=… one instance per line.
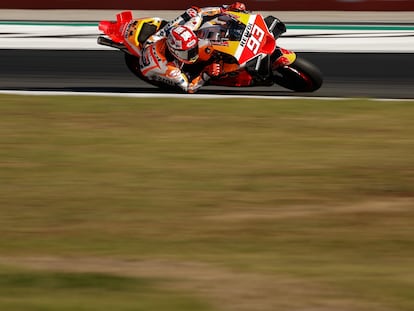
x=276, y=5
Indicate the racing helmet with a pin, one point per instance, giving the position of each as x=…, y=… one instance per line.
x=182, y=42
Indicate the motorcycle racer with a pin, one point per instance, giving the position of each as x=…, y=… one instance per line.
x=166, y=52
x=241, y=50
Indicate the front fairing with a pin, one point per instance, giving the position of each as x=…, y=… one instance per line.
x=241, y=35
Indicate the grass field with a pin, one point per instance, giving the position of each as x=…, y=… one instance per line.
x=207, y=205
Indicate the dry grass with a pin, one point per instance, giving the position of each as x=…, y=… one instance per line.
x=246, y=205
x=223, y=288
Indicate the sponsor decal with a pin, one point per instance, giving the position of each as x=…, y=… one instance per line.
x=252, y=39
x=164, y=80
x=191, y=43
x=126, y=29
x=144, y=59
x=174, y=73
x=235, y=16
x=255, y=39
x=282, y=61
x=246, y=35
x=218, y=42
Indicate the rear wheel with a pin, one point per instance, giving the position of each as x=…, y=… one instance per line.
x=300, y=76
x=132, y=63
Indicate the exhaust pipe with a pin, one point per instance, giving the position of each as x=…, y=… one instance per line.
x=108, y=42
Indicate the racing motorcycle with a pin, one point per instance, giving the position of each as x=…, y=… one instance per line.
x=244, y=43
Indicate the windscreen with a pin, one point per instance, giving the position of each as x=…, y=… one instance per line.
x=222, y=28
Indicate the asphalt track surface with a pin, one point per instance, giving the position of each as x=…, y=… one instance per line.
x=360, y=75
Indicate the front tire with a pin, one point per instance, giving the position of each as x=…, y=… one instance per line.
x=300, y=76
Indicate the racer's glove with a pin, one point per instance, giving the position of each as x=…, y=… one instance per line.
x=213, y=70
x=236, y=6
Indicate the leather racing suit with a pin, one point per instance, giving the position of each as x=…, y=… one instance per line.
x=159, y=65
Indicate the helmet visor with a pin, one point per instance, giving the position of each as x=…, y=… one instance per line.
x=187, y=56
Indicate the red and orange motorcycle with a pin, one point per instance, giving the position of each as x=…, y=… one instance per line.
x=245, y=44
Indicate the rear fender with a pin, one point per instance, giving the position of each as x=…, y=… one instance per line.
x=129, y=34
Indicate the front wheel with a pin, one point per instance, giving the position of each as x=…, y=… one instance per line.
x=300, y=76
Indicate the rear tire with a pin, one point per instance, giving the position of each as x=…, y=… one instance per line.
x=132, y=63
x=300, y=76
